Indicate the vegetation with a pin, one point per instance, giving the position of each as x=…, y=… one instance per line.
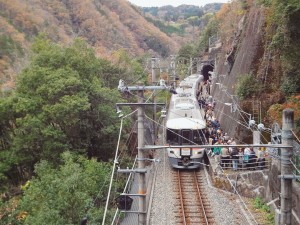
x=168, y=29
x=275, y=111
x=57, y=127
x=8, y=47
x=260, y=205
x=105, y=26
x=284, y=17
x=64, y=195
x=170, y=13
x=210, y=30
x=247, y=86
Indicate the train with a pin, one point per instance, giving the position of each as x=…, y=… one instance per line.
x=185, y=125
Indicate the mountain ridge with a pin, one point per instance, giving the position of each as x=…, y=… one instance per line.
x=105, y=25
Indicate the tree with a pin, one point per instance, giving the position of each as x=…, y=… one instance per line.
x=67, y=194
x=59, y=104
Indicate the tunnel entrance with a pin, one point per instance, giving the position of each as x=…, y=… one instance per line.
x=205, y=70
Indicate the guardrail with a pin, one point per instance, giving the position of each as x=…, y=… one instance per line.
x=243, y=162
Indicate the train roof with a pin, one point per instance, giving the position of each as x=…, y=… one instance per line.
x=184, y=111
x=186, y=123
x=189, y=84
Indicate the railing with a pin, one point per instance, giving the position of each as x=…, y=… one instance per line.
x=243, y=162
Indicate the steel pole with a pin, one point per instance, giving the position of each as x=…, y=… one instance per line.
x=154, y=117
x=141, y=163
x=286, y=167
x=153, y=60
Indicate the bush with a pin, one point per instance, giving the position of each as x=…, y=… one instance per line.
x=247, y=86
x=76, y=189
x=290, y=84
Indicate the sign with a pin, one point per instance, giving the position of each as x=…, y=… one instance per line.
x=185, y=151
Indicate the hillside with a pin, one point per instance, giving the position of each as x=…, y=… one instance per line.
x=183, y=23
x=106, y=25
x=256, y=65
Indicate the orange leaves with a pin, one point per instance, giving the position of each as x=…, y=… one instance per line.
x=22, y=215
x=275, y=111
x=223, y=11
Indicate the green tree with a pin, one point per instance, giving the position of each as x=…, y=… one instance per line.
x=60, y=103
x=284, y=17
x=210, y=30
x=65, y=195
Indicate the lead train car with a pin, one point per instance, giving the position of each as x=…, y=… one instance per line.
x=185, y=125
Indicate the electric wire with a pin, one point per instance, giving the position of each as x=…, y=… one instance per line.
x=235, y=190
x=125, y=188
x=112, y=173
x=296, y=168
x=117, y=159
x=295, y=136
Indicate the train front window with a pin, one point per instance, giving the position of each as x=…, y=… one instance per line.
x=186, y=137
x=172, y=137
x=199, y=137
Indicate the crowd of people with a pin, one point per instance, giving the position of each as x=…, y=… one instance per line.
x=228, y=157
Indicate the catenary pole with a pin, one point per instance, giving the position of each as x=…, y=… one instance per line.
x=153, y=60
x=141, y=163
x=286, y=167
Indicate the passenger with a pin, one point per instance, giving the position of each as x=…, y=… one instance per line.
x=261, y=161
x=226, y=137
x=225, y=157
x=235, y=158
x=241, y=158
x=246, y=156
x=214, y=104
x=217, y=150
x=252, y=160
x=210, y=141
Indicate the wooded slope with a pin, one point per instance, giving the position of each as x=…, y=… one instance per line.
x=106, y=25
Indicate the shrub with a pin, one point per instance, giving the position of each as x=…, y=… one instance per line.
x=247, y=86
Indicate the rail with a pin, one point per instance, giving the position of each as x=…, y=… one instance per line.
x=193, y=208
x=200, y=198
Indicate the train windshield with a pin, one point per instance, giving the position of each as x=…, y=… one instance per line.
x=186, y=137
x=173, y=137
x=199, y=137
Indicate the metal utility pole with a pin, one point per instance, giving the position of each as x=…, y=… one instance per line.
x=173, y=69
x=141, y=163
x=256, y=138
x=191, y=65
x=141, y=170
x=286, y=168
x=153, y=60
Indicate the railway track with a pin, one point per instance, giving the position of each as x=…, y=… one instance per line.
x=193, y=204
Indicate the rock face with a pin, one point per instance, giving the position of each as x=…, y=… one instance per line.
x=240, y=60
x=245, y=56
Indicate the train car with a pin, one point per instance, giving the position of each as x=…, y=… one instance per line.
x=186, y=125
